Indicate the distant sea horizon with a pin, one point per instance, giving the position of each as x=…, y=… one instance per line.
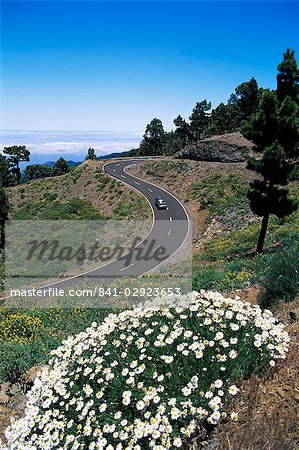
x=48, y=146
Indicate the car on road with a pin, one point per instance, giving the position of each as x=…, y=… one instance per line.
x=160, y=203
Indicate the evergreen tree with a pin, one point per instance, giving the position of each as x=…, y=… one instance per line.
x=289, y=127
x=199, y=119
x=288, y=77
x=17, y=153
x=182, y=129
x=35, y=171
x=5, y=176
x=173, y=143
x=269, y=196
x=221, y=121
x=91, y=154
x=274, y=129
x=61, y=167
x=153, y=139
x=4, y=208
x=235, y=114
x=262, y=127
x=247, y=96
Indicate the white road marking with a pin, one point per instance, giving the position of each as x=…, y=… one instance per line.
x=123, y=176
x=169, y=232
x=124, y=268
x=156, y=248
x=136, y=182
x=170, y=218
x=117, y=165
x=149, y=189
x=167, y=208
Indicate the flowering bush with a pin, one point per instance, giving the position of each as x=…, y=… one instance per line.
x=18, y=327
x=147, y=378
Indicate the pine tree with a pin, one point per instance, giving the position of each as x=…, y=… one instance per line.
x=5, y=176
x=61, y=167
x=16, y=154
x=274, y=129
x=4, y=208
x=288, y=77
x=199, y=119
x=153, y=139
x=35, y=171
x=247, y=96
x=221, y=121
x=91, y=154
x=182, y=129
x=262, y=127
x=269, y=196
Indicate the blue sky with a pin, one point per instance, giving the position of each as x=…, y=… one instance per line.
x=113, y=66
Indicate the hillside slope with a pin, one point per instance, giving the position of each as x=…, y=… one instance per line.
x=84, y=190
x=224, y=228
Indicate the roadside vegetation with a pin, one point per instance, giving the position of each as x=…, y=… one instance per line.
x=73, y=209
x=157, y=377
x=161, y=378
x=27, y=336
x=86, y=192
x=224, y=256
x=227, y=259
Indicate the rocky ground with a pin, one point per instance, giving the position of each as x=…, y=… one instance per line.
x=227, y=148
x=13, y=398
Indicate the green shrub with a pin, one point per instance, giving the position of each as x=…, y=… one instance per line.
x=123, y=210
x=227, y=276
x=19, y=327
x=281, y=280
x=2, y=271
x=237, y=243
x=76, y=173
x=16, y=359
x=148, y=378
x=208, y=277
x=73, y=209
x=50, y=196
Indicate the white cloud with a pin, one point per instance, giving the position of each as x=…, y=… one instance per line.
x=46, y=143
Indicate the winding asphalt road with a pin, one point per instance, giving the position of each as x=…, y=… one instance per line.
x=169, y=231
x=170, y=226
